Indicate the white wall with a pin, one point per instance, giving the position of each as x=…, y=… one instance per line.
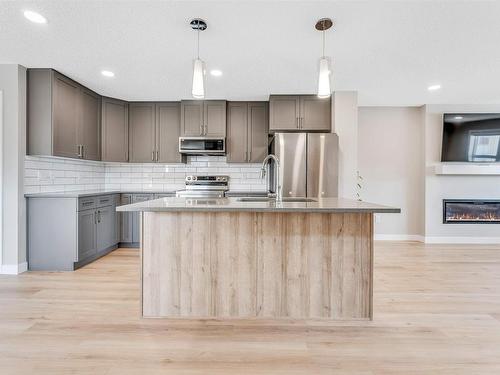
x=1, y=179
x=13, y=86
x=398, y=149
x=345, y=124
x=439, y=187
x=53, y=174
x=170, y=177
x=390, y=158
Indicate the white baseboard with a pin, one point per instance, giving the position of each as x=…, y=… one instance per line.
x=23, y=267
x=13, y=269
x=399, y=237
x=462, y=240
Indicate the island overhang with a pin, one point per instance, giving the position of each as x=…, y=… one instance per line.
x=330, y=205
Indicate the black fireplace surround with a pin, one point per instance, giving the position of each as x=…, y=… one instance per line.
x=471, y=211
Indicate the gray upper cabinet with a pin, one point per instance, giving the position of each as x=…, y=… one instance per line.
x=203, y=118
x=192, y=118
x=315, y=113
x=237, y=132
x=214, y=115
x=284, y=112
x=63, y=116
x=247, y=128
x=142, y=132
x=114, y=132
x=154, y=132
x=299, y=113
x=258, y=131
x=90, y=125
x=168, y=118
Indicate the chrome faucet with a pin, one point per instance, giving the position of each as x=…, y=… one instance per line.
x=278, y=195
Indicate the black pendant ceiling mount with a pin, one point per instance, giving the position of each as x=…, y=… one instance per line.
x=324, y=24
x=198, y=24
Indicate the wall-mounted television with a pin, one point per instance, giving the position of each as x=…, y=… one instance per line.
x=471, y=137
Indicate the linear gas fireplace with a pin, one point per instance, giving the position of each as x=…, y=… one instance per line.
x=463, y=211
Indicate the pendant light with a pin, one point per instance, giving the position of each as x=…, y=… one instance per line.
x=325, y=73
x=198, y=89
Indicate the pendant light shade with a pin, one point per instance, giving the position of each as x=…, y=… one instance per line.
x=324, y=87
x=324, y=73
x=198, y=90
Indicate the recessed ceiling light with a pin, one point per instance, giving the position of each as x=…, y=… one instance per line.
x=216, y=72
x=459, y=117
x=107, y=73
x=34, y=17
x=434, y=87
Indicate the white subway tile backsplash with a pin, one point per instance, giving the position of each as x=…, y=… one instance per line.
x=52, y=174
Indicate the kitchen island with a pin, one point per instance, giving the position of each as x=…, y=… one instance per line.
x=238, y=258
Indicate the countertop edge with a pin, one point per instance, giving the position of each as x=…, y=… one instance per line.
x=77, y=194
x=259, y=209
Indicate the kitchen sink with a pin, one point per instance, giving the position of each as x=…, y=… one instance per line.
x=255, y=199
x=292, y=199
x=265, y=199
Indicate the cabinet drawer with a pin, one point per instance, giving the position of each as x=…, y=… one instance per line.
x=86, y=203
x=105, y=200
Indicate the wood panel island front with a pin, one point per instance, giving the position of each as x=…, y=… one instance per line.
x=227, y=258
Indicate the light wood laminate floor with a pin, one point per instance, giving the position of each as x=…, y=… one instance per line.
x=437, y=311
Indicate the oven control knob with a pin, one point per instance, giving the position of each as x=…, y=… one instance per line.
x=188, y=178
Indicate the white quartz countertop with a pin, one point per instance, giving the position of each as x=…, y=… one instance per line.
x=89, y=193
x=235, y=204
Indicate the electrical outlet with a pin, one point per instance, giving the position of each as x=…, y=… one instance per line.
x=377, y=218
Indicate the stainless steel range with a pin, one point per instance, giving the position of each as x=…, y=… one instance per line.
x=204, y=187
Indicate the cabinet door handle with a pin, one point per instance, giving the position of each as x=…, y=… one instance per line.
x=298, y=123
x=250, y=155
x=83, y=151
x=157, y=155
x=99, y=216
x=95, y=217
x=152, y=156
x=246, y=155
x=80, y=151
x=206, y=131
x=201, y=129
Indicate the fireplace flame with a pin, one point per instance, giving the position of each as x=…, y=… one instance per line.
x=487, y=216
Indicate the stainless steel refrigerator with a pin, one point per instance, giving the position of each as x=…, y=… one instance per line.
x=308, y=164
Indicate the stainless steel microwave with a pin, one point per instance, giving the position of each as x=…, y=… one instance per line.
x=202, y=146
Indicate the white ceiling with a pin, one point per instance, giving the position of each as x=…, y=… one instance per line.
x=388, y=51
